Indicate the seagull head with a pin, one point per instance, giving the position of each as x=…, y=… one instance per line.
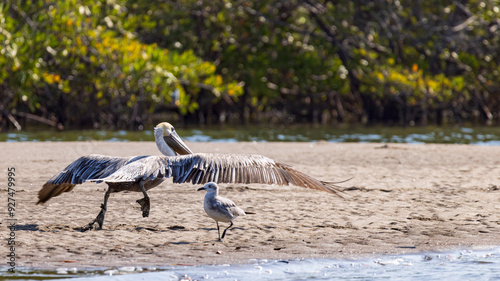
x=210, y=187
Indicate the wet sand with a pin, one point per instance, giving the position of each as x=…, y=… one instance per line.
x=401, y=199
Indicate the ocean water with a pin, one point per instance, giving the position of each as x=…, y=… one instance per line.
x=454, y=265
x=298, y=133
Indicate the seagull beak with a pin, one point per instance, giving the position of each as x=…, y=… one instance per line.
x=176, y=143
x=201, y=188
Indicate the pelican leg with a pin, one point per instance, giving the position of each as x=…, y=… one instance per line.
x=144, y=202
x=100, y=217
x=224, y=233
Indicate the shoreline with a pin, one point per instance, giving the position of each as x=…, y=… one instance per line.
x=403, y=199
x=118, y=269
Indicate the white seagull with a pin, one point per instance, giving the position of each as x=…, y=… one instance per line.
x=220, y=208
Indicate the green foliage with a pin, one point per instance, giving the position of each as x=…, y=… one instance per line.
x=76, y=59
x=119, y=63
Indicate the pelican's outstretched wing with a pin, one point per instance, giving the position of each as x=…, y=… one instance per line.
x=200, y=168
x=84, y=168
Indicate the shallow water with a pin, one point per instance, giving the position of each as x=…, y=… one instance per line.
x=454, y=265
x=297, y=133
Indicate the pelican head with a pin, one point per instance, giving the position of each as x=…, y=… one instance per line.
x=210, y=187
x=171, y=141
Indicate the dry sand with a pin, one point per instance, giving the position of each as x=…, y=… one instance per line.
x=402, y=199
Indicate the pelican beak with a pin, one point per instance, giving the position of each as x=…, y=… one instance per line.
x=201, y=188
x=176, y=143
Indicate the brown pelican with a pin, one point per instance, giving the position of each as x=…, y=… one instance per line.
x=141, y=173
x=96, y=166
x=219, y=208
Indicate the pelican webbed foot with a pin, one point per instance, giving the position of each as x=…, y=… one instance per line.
x=99, y=220
x=145, y=206
x=100, y=217
x=144, y=202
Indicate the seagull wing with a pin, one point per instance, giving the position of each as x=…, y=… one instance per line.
x=230, y=206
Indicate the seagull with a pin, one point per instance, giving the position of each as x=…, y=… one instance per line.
x=220, y=208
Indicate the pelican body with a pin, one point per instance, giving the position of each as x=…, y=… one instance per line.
x=96, y=166
x=141, y=173
x=219, y=208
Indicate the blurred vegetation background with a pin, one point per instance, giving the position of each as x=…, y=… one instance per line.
x=126, y=64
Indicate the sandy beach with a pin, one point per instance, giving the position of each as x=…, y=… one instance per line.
x=401, y=199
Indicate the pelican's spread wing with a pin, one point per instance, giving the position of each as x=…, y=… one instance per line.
x=200, y=168
x=84, y=168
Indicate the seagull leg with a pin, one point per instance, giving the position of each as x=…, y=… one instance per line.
x=224, y=233
x=100, y=217
x=144, y=202
x=218, y=230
